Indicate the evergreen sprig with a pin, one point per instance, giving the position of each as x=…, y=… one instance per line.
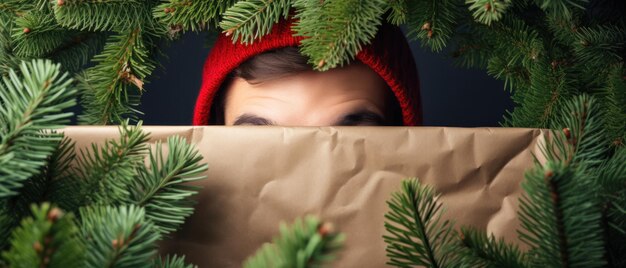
x=546, y=51
x=488, y=11
x=108, y=170
x=118, y=236
x=336, y=31
x=480, y=250
x=37, y=33
x=572, y=212
x=433, y=22
x=97, y=15
x=172, y=262
x=111, y=88
x=418, y=236
x=306, y=243
x=561, y=218
x=249, y=20
x=398, y=12
x=192, y=15
x=40, y=170
x=162, y=187
x=50, y=185
x=30, y=102
x=49, y=238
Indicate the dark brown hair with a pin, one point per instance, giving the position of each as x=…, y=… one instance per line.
x=276, y=64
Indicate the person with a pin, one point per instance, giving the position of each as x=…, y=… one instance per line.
x=269, y=82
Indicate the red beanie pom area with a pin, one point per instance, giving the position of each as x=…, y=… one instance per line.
x=388, y=55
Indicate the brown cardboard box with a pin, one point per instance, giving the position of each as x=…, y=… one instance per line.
x=260, y=176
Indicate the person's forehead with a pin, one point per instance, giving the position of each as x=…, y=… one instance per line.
x=354, y=80
x=310, y=96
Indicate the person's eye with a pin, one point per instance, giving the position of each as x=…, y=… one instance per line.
x=363, y=119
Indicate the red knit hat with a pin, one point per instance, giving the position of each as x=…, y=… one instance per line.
x=388, y=55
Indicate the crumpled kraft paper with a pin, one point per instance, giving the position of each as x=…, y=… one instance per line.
x=260, y=176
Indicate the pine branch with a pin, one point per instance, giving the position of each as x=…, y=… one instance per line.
x=613, y=100
x=8, y=60
x=192, y=15
x=249, y=20
x=8, y=222
x=61, y=188
x=611, y=178
x=78, y=51
x=118, y=236
x=172, y=262
x=161, y=189
x=488, y=11
x=538, y=106
x=37, y=33
x=417, y=234
x=473, y=49
x=108, y=87
x=433, y=21
x=36, y=103
x=562, y=8
x=49, y=238
x=480, y=250
x=109, y=170
x=18, y=6
x=582, y=140
x=41, y=187
x=306, y=243
x=561, y=218
x=336, y=30
x=601, y=45
x=398, y=12
x=99, y=15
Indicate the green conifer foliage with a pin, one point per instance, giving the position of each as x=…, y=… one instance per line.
x=572, y=211
x=563, y=61
x=546, y=51
x=100, y=207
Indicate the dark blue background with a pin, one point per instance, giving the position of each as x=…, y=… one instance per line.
x=451, y=96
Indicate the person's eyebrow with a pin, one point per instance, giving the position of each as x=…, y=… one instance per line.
x=250, y=119
x=362, y=118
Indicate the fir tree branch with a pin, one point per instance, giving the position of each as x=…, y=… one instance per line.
x=488, y=11
x=8, y=60
x=118, y=236
x=41, y=187
x=417, y=235
x=37, y=33
x=613, y=100
x=538, y=106
x=479, y=250
x=192, y=15
x=108, y=171
x=335, y=31
x=599, y=46
x=172, y=262
x=561, y=218
x=161, y=189
x=398, y=12
x=583, y=139
x=36, y=103
x=612, y=178
x=433, y=21
x=76, y=52
x=306, y=243
x=49, y=238
x=103, y=15
x=249, y=20
x=561, y=8
x=121, y=69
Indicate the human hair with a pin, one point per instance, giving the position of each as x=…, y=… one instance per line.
x=275, y=64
